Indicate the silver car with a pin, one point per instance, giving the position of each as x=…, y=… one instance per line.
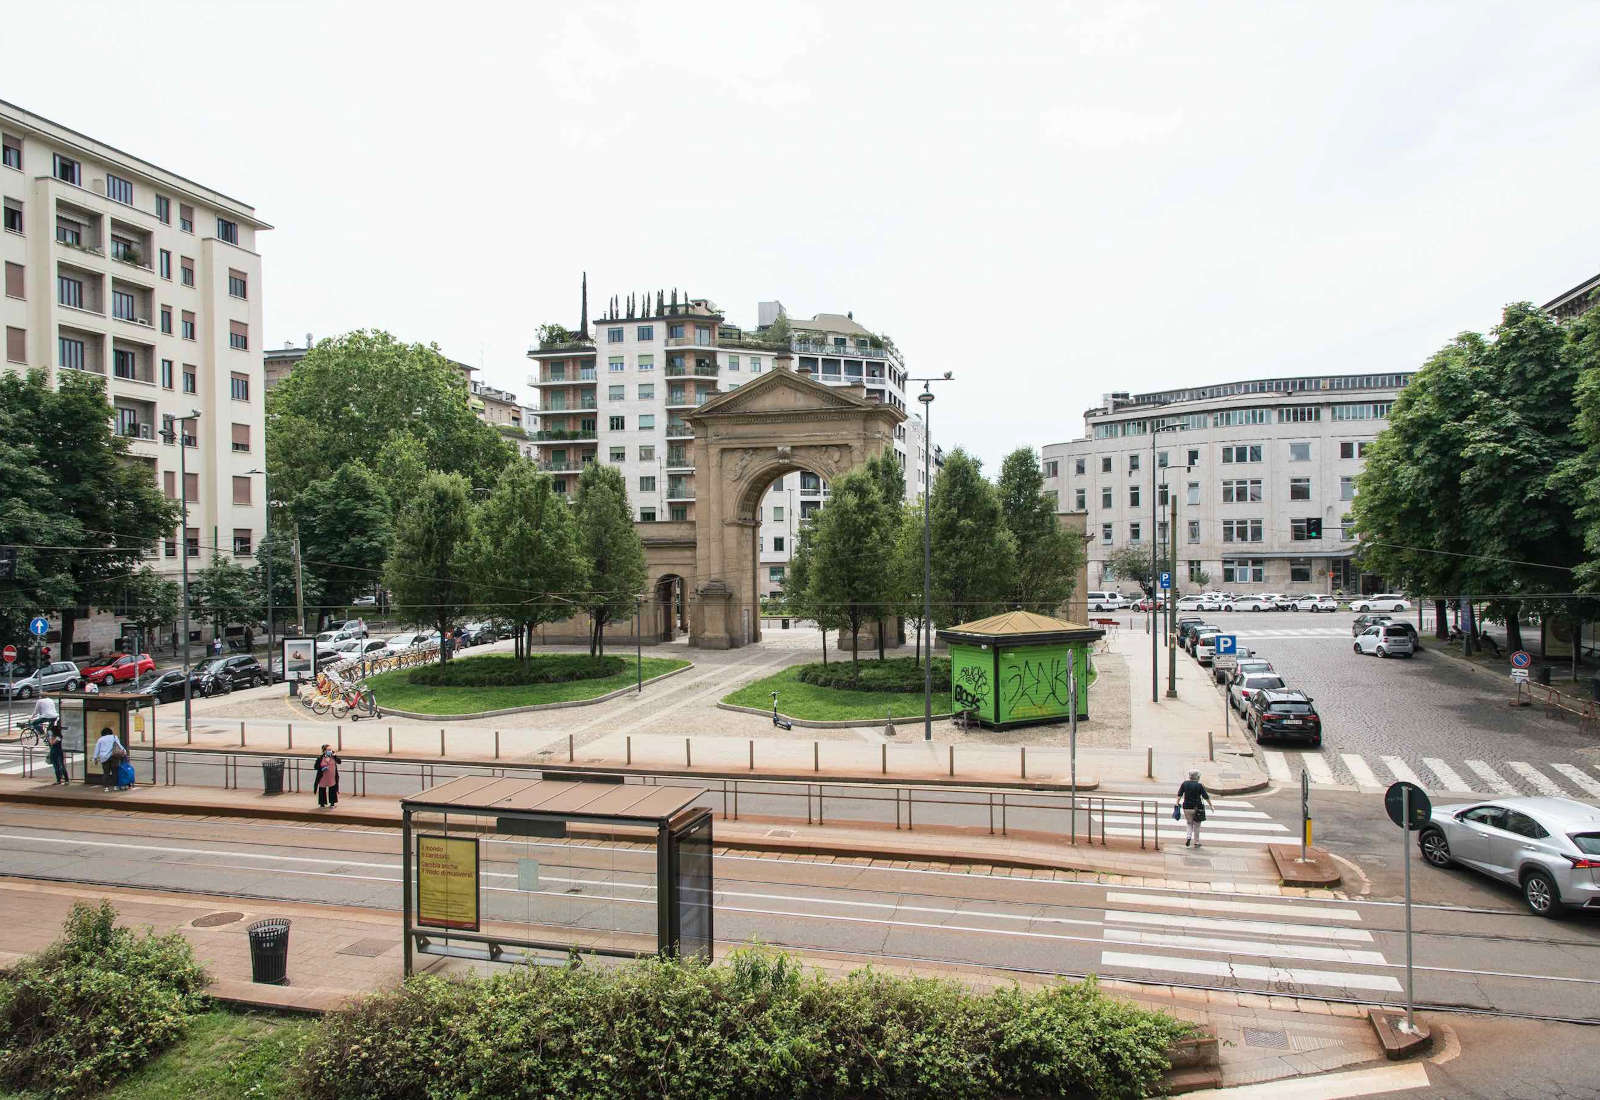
x=1548, y=847
x=1385, y=640
x=56, y=676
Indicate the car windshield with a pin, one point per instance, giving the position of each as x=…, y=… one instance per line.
x=1291, y=708
x=1588, y=843
x=216, y=664
x=1257, y=682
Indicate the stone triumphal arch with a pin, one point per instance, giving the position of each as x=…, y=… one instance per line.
x=745, y=439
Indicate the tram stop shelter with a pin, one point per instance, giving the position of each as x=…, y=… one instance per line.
x=87, y=715
x=1013, y=669
x=495, y=866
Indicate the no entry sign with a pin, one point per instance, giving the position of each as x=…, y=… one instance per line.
x=9, y=654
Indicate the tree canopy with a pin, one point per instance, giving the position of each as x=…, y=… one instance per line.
x=974, y=555
x=850, y=552
x=611, y=548
x=1048, y=557
x=428, y=569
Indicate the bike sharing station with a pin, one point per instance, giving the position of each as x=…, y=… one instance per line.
x=1018, y=668
x=506, y=870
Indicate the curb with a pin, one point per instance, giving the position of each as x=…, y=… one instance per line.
x=1317, y=871
x=531, y=707
x=808, y=724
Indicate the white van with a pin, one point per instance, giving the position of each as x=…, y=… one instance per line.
x=1107, y=601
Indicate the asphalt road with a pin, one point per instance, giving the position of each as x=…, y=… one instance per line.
x=1482, y=957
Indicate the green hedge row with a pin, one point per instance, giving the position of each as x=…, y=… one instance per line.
x=755, y=1028
x=497, y=671
x=896, y=674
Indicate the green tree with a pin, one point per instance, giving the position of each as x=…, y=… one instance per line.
x=1048, y=557
x=151, y=602
x=278, y=550
x=354, y=396
x=611, y=549
x=974, y=556
x=797, y=592
x=1583, y=351
x=427, y=570
x=1132, y=563
x=905, y=568
x=525, y=559
x=224, y=592
x=887, y=472
x=849, y=571
x=346, y=524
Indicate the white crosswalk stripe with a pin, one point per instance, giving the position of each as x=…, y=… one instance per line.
x=1580, y=778
x=1358, y=768
x=1552, y=779
x=1540, y=781
x=1397, y=767
x=1497, y=785
x=1447, y=775
x=1277, y=766
x=1314, y=763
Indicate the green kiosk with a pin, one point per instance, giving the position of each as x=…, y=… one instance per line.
x=1011, y=669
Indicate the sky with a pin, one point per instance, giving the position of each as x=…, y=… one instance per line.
x=1050, y=200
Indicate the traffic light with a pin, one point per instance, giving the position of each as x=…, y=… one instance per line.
x=1313, y=528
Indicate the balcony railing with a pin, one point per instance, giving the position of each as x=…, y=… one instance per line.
x=558, y=435
x=680, y=492
x=688, y=342
x=679, y=431
x=564, y=345
x=833, y=351
x=136, y=430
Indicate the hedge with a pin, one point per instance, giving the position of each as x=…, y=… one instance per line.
x=896, y=674
x=95, y=1005
x=755, y=1028
x=550, y=668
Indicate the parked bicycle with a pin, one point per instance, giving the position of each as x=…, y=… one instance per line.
x=358, y=702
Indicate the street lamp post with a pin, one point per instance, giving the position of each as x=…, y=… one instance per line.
x=265, y=545
x=926, y=398
x=1155, y=666
x=175, y=431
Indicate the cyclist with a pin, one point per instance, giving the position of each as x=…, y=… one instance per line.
x=46, y=716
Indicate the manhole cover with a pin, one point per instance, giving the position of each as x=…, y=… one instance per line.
x=1259, y=1037
x=367, y=949
x=213, y=920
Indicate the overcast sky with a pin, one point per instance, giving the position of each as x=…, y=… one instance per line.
x=1052, y=200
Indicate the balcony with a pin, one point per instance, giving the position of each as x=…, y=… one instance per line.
x=679, y=430
x=585, y=403
x=130, y=302
x=689, y=341
x=135, y=419
x=837, y=351
x=579, y=344
x=566, y=435
x=133, y=362
x=680, y=491
x=562, y=378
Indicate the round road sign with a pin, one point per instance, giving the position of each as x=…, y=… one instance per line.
x=1520, y=659
x=38, y=626
x=1421, y=807
x=8, y=654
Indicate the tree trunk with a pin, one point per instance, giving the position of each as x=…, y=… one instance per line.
x=824, y=644
x=855, y=644
x=1441, y=619
x=880, y=639
x=1513, y=630
x=919, y=642
x=69, y=626
x=599, y=636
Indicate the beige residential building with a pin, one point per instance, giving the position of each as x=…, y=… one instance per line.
x=130, y=272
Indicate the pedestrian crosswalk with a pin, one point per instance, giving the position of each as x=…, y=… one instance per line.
x=1231, y=822
x=1248, y=634
x=1509, y=777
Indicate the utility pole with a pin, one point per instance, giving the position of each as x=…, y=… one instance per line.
x=299, y=592
x=175, y=432
x=266, y=538
x=926, y=399
x=1172, y=603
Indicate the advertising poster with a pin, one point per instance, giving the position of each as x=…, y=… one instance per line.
x=299, y=658
x=447, y=882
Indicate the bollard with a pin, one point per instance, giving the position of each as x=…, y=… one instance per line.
x=338, y=737
x=952, y=761
x=391, y=740
x=571, y=748
x=1150, y=762
x=816, y=757
x=497, y=744
x=629, y=760
x=1024, y=761
x=291, y=735
x=688, y=758
x=241, y=735
x=441, y=740
x=752, y=755
x=885, y=767
x=1211, y=746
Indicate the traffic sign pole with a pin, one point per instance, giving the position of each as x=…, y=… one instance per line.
x=1305, y=812
x=1405, y=853
x=10, y=655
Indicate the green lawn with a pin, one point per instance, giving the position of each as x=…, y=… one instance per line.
x=817, y=704
x=393, y=691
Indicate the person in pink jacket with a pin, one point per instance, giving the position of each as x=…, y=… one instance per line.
x=328, y=778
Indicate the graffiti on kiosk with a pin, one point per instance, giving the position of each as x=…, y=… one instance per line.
x=1037, y=683
x=973, y=690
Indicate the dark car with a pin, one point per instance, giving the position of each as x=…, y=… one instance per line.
x=167, y=687
x=231, y=673
x=1284, y=715
x=1188, y=632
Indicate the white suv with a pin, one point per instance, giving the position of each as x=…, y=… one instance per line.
x=1259, y=602
x=1383, y=601
x=1107, y=601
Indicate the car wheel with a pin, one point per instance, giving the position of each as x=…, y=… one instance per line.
x=1382, y=652
x=1356, y=647
x=1539, y=891
x=1435, y=847
x=25, y=693
x=72, y=685
x=1316, y=742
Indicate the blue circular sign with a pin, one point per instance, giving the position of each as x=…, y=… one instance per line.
x=38, y=626
x=1520, y=659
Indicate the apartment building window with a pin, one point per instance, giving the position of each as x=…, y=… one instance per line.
x=616, y=364
x=1299, y=414
x=1240, y=418
x=559, y=485
x=1135, y=533
x=777, y=513
x=616, y=393
x=1105, y=464
x=647, y=484
x=70, y=352
x=777, y=544
x=1052, y=468
x=645, y=332
x=1241, y=491
x=1161, y=533
x=164, y=209
x=241, y=489
x=69, y=291
x=647, y=362
x=1105, y=499
x=186, y=270
x=238, y=285
x=618, y=423
x=1080, y=500
x=122, y=305
x=1347, y=528
x=1194, y=530
x=679, y=513
x=647, y=515
x=169, y=486
x=1299, y=488
x=16, y=345
x=13, y=216
x=1305, y=530
x=1161, y=497
x=239, y=386
x=11, y=151
x=1196, y=573
x=808, y=508
x=1299, y=569
x=1250, y=452
x=755, y=364
x=775, y=574
x=1299, y=452
x=241, y=541
x=1352, y=449
x=119, y=189
x=65, y=168
x=16, y=283
x=733, y=362
x=1377, y=410
x=166, y=374
x=191, y=489
x=1241, y=530
x=647, y=420
x=171, y=548
x=1194, y=492
x=166, y=320
x=188, y=325
x=1078, y=465
x=619, y=454
x=238, y=336
x=1133, y=496
x=647, y=391
x=228, y=231
x=186, y=217
x=190, y=385
x=1106, y=531
x=166, y=264
x=614, y=335
x=647, y=453
x=1133, y=463
x=123, y=363
x=1194, y=456
x=1243, y=570
x=1347, y=488
x=241, y=438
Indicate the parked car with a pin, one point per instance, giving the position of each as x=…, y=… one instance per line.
x=1259, y=602
x=119, y=668
x=1187, y=634
x=1384, y=601
x=1385, y=640
x=1246, y=667
x=369, y=647
x=1107, y=601
x=166, y=687
x=399, y=643
x=1283, y=601
x=1360, y=623
x=28, y=681
x=1191, y=603
x=1143, y=604
x=364, y=601
x=479, y=633
x=1316, y=603
x=1225, y=675
x=334, y=637
x=1283, y=714
x=1547, y=847
x=1205, y=647
x=1239, y=693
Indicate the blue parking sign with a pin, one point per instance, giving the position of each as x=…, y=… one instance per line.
x=1226, y=645
x=1166, y=580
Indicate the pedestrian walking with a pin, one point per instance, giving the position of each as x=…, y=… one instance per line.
x=58, y=757
x=1193, y=800
x=328, y=778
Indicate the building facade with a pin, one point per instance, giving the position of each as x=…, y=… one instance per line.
x=125, y=270
x=1575, y=302
x=1263, y=473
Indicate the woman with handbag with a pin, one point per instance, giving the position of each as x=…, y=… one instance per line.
x=1193, y=800
x=328, y=778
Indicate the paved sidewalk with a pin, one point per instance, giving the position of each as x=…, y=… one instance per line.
x=339, y=953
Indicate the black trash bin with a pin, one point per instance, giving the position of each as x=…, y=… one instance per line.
x=269, y=951
x=1541, y=675
x=272, y=777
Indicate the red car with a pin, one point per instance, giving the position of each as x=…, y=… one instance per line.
x=1144, y=604
x=119, y=667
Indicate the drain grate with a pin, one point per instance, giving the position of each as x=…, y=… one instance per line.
x=213, y=920
x=368, y=949
x=1261, y=1037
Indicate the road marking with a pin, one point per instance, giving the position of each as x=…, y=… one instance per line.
x=1256, y=948
x=1171, y=832
x=1358, y=768
x=1580, y=778
x=1447, y=775
x=1314, y=763
x=1216, y=905
x=1279, y=975
x=1277, y=766
x=1401, y=770
x=1541, y=782
x=1491, y=777
x=1331, y=1086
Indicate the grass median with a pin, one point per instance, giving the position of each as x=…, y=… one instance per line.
x=798, y=699
x=395, y=691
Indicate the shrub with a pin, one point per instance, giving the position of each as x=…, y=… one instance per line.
x=896, y=674
x=94, y=1005
x=755, y=1028
x=556, y=668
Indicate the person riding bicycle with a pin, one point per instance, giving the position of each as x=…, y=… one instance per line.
x=46, y=716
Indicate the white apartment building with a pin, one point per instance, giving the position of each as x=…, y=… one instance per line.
x=1263, y=473
x=125, y=270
